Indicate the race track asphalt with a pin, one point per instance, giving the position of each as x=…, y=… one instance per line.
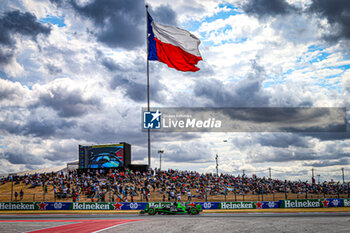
x=205, y=222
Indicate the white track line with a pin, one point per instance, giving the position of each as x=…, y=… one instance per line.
x=113, y=227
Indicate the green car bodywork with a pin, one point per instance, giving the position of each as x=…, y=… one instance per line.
x=178, y=208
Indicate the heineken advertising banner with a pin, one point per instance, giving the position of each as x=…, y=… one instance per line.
x=108, y=206
x=249, y=205
x=55, y=205
x=205, y=205
x=307, y=203
x=72, y=206
x=333, y=202
x=313, y=203
x=18, y=206
x=346, y=202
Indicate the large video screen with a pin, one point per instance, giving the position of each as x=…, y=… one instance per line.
x=104, y=156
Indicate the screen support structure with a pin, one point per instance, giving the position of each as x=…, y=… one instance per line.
x=148, y=98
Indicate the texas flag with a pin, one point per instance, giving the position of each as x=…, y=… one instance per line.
x=173, y=46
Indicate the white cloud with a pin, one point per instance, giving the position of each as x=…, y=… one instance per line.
x=70, y=60
x=13, y=93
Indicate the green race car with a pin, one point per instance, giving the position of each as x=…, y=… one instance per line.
x=175, y=208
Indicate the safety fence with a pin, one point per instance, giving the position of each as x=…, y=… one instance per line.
x=156, y=197
x=305, y=203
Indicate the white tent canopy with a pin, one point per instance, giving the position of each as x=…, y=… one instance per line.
x=70, y=165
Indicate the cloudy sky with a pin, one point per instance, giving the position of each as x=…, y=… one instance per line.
x=74, y=72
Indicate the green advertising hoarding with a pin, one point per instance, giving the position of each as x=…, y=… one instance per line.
x=310, y=203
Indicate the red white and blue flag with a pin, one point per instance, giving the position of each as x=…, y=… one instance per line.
x=173, y=46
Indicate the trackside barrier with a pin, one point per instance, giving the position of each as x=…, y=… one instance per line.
x=307, y=203
x=315, y=203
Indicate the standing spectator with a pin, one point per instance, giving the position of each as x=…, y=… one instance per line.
x=21, y=194
x=77, y=195
x=16, y=195
x=146, y=196
x=103, y=196
x=179, y=197
x=172, y=194
x=189, y=195
x=55, y=192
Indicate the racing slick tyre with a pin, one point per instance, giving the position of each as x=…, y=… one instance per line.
x=151, y=211
x=193, y=211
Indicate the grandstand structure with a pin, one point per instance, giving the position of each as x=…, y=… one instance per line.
x=65, y=184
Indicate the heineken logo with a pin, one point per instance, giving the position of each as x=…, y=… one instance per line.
x=117, y=206
x=325, y=202
x=335, y=202
x=92, y=206
x=237, y=205
x=17, y=206
x=57, y=205
x=42, y=205
x=302, y=204
x=346, y=202
x=271, y=204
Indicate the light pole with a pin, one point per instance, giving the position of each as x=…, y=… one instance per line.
x=217, y=165
x=217, y=161
x=160, y=152
x=11, y=187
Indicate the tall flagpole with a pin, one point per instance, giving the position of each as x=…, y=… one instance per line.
x=148, y=101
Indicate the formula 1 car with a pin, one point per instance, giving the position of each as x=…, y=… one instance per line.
x=192, y=209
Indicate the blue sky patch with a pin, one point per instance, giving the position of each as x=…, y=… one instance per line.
x=320, y=57
x=3, y=75
x=53, y=20
x=2, y=146
x=314, y=48
x=344, y=67
x=271, y=82
x=224, y=14
x=194, y=25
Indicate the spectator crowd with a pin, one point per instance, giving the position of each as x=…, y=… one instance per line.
x=124, y=185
